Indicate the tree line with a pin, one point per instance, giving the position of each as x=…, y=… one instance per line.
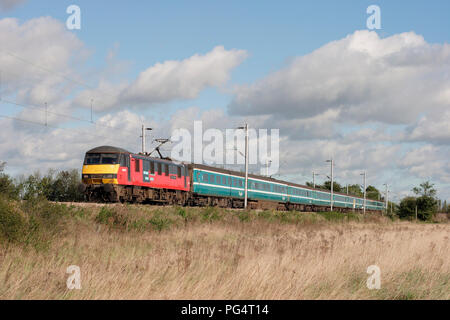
x=372, y=193
x=61, y=186
x=424, y=205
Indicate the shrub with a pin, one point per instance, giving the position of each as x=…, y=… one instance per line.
x=244, y=216
x=12, y=224
x=34, y=223
x=7, y=186
x=111, y=217
x=160, y=223
x=426, y=208
x=333, y=215
x=210, y=214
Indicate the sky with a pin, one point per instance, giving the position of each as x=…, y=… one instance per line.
x=374, y=100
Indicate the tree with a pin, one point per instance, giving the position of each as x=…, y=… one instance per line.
x=7, y=186
x=355, y=189
x=373, y=193
x=425, y=204
x=425, y=189
x=61, y=186
x=65, y=187
x=407, y=208
x=336, y=186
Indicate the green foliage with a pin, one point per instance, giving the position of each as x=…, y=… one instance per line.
x=336, y=186
x=11, y=222
x=426, y=208
x=355, y=189
x=159, y=222
x=111, y=217
x=337, y=216
x=244, y=216
x=407, y=208
x=36, y=222
x=65, y=187
x=62, y=187
x=7, y=186
x=210, y=214
x=425, y=189
x=373, y=193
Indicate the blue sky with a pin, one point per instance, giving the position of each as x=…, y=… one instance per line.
x=272, y=32
x=273, y=35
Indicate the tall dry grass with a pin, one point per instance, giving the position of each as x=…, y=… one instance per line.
x=201, y=254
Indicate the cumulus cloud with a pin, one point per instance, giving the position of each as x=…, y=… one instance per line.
x=39, y=54
x=171, y=80
x=363, y=76
x=428, y=162
x=434, y=128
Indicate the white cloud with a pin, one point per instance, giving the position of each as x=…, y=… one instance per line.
x=39, y=54
x=428, y=162
x=171, y=80
x=433, y=128
x=364, y=77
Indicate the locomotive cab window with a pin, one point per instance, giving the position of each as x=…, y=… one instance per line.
x=179, y=172
x=137, y=165
x=101, y=158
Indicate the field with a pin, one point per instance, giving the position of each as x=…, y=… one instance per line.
x=142, y=252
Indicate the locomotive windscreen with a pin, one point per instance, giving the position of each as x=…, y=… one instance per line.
x=101, y=158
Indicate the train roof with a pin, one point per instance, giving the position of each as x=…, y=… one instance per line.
x=107, y=149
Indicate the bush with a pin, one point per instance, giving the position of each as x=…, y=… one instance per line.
x=159, y=223
x=61, y=187
x=244, y=216
x=12, y=224
x=111, y=217
x=7, y=186
x=34, y=223
x=426, y=208
x=210, y=214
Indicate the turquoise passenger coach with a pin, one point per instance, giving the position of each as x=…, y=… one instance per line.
x=216, y=182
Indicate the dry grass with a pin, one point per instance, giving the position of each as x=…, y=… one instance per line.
x=228, y=255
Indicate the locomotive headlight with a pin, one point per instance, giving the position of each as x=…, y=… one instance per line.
x=85, y=176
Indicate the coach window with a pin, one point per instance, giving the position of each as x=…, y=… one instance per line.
x=166, y=169
x=179, y=172
x=205, y=177
x=152, y=167
x=137, y=165
x=159, y=168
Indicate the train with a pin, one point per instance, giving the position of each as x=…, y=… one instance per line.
x=112, y=174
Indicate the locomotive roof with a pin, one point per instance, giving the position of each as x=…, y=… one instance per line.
x=107, y=149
